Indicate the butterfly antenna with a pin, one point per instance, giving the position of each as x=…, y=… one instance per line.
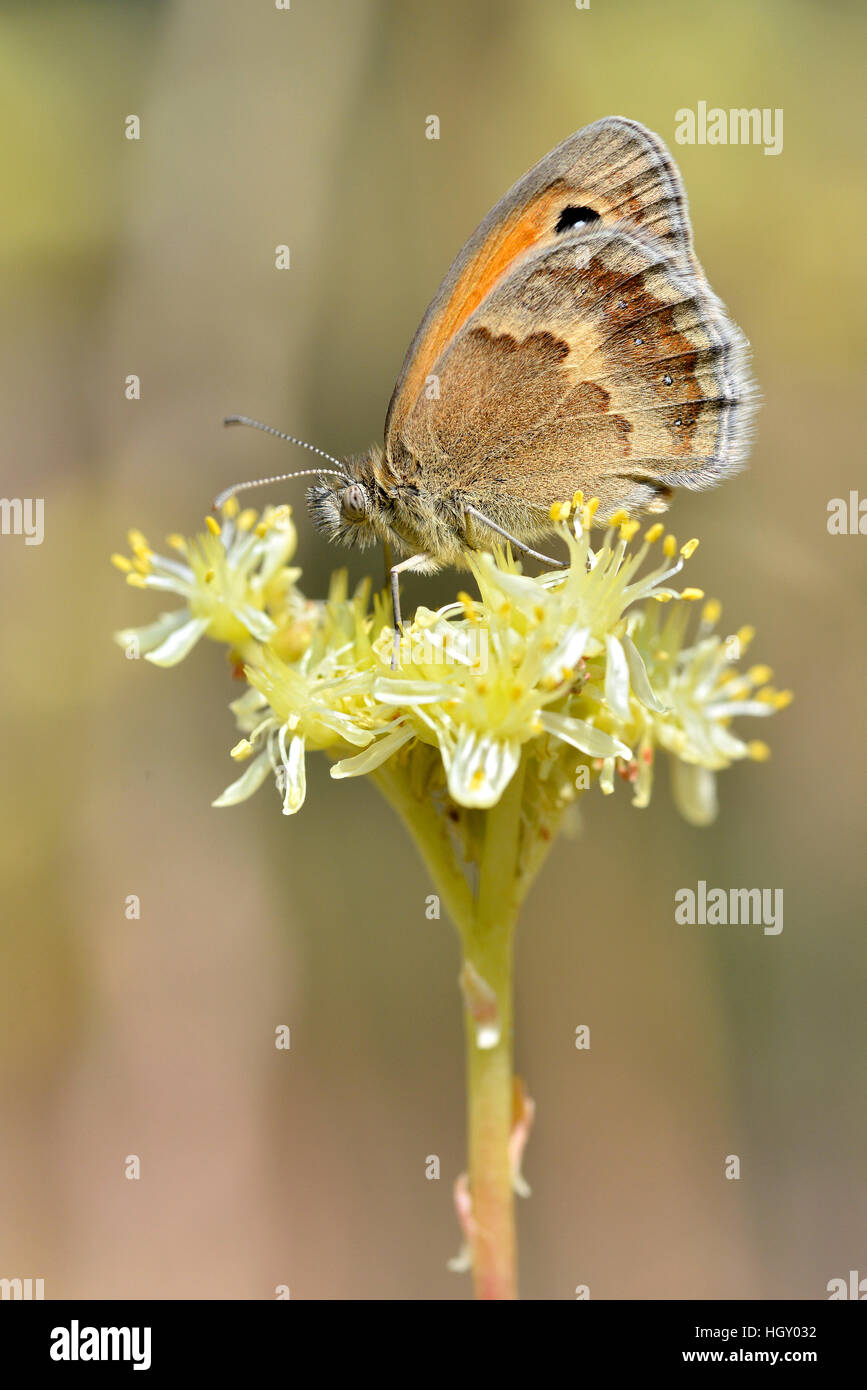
x=228, y=492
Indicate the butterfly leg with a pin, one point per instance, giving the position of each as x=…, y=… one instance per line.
x=518, y=545
x=414, y=562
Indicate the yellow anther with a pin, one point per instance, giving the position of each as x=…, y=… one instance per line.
x=629, y=529
x=663, y=597
x=712, y=611
x=559, y=511
x=478, y=777
x=137, y=541
x=177, y=542
x=745, y=636
x=577, y=500
x=539, y=613
x=518, y=691
x=213, y=525
x=588, y=511
x=242, y=750
x=262, y=529
x=758, y=751
x=136, y=580
x=783, y=698
x=247, y=519
x=617, y=518
x=760, y=675
x=231, y=507
x=669, y=546
x=654, y=532
x=122, y=563
x=209, y=576
x=692, y=593
x=142, y=564
x=689, y=548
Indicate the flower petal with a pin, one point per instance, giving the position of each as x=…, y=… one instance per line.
x=257, y=623
x=616, y=678
x=480, y=767
x=296, y=776
x=178, y=644
x=249, y=782
x=595, y=742
x=694, y=790
x=641, y=686
x=373, y=756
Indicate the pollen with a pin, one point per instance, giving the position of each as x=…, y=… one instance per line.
x=712, y=611
x=759, y=675
x=137, y=542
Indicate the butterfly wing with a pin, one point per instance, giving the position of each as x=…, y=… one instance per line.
x=592, y=356
x=614, y=170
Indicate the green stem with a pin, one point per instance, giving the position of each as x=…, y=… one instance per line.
x=486, y=925
x=488, y=945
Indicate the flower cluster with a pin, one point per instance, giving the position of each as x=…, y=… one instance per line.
x=580, y=674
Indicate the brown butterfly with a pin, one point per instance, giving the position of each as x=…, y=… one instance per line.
x=574, y=344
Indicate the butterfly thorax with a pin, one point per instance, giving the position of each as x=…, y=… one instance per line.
x=369, y=503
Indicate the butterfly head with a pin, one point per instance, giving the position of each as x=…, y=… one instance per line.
x=348, y=507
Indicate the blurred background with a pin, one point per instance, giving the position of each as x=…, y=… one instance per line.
x=155, y=1037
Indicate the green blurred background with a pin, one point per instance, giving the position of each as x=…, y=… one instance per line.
x=155, y=1037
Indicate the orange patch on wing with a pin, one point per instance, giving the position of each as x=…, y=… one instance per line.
x=490, y=264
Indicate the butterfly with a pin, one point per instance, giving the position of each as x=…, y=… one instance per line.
x=575, y=343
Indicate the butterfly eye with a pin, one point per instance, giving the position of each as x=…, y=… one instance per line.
x=353, y=503
x=575, y=217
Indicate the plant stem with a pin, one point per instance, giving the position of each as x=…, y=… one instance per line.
x=488, y=945
x=486, y=925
